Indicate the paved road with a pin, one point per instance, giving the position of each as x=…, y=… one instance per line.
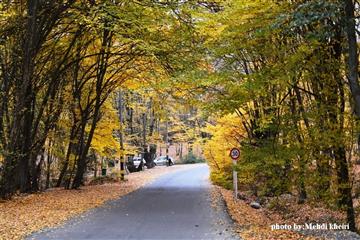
x=176, y=206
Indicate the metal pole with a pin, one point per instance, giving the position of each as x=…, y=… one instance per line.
x=144, y=140
x=167, y=143
x=235, y=181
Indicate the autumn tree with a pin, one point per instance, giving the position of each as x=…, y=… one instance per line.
x=60, y=62
x=279, y=67
x=32, y=83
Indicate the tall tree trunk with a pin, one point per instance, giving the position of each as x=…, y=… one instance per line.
x=353, y=60
x=17, y=159
x=83, y=149
x=68, y=154
x=143, y=143
x=301, y=180
x=95, y=166
x=121, y=134
x=36, y=173
x=344, y=186
x=337, y=118
x=48, y=168
x=102, y=66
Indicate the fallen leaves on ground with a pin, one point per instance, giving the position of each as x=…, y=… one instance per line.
x=255, y=224
x=291, y=211
x=26, y=214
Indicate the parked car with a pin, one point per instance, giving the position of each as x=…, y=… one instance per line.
x=162, y=160
x=137, y=161
x=133, y=163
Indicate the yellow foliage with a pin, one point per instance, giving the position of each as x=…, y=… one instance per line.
x=104, y=141
x=225, y=134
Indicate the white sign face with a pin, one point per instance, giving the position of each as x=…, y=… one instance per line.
x=235, y=153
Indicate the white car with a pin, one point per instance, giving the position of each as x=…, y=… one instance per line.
x=137, y=160
x=162, y=160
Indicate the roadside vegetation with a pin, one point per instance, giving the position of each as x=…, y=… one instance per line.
x=191, y=158
x=285, y=92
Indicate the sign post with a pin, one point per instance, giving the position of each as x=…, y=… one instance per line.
x=235, y=154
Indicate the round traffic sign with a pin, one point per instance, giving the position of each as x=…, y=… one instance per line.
x=235, y=153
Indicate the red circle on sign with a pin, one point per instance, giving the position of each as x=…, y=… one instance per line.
x=235, y=153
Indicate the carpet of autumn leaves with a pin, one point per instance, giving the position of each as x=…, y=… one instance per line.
x=26, y=214
x=255, y=224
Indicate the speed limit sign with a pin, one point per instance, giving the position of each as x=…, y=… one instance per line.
x=235, y=153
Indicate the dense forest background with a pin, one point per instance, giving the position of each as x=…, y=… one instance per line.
x=84, y=80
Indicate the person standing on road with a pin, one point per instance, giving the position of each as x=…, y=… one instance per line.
x=168, y=161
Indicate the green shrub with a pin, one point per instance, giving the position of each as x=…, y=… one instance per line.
x=191, y=159
x=221, y=179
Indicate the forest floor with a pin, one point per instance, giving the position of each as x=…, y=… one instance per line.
x=256, y=224
x=25, y=214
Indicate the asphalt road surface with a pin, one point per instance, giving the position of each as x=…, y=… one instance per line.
x=176, y=206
